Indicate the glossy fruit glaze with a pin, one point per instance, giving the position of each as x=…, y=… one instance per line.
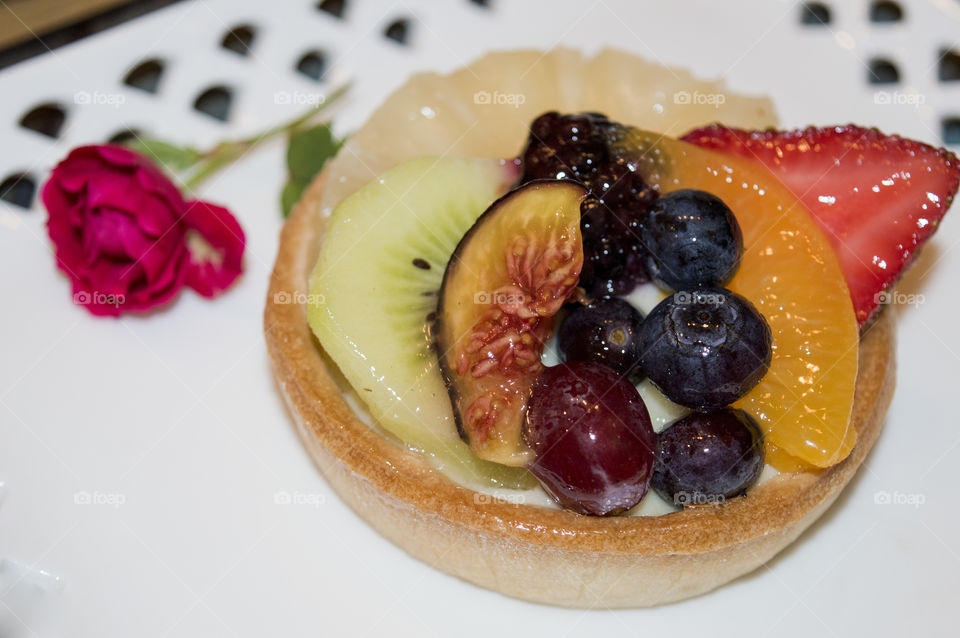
x=605, y=331
x=790, y=273
x=575, y=146
x=878, y=198
x=374, y=286
x=708, y=457
x=592, y=438
x=705, y=348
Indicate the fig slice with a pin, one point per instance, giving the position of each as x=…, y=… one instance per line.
x=507, y=279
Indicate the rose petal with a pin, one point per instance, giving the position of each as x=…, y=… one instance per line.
x=76, y=215
x=155, y=182
x=55, y=197
x=156, y=218
x=116, y=189
x=163, y=287
x=145, y=171
x=210, y=275
x=106, y=233
x=172, y=278
x=104, y=293
x=119, y=156
x=114, y=220
x=60, y=226
x=81, y=165
x=160, y=250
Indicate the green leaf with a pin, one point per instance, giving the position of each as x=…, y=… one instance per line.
x=291, y=194
x=174, y=158
x=309, y=150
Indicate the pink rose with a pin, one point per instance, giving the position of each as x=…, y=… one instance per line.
x=126, y=237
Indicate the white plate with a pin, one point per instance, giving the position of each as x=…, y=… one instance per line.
x=171, y=427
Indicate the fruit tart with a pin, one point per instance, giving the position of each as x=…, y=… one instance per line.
x=567, y=338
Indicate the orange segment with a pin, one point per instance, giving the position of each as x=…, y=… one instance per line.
x=790, y=273
x=783, y=462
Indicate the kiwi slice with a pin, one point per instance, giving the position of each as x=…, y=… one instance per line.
x=374, y=294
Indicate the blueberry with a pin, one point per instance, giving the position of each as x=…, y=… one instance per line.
x=693, y=239
x=606, y=331
x=706, y=458
x=705, y=349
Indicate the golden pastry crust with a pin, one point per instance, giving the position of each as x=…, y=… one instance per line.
x=530, y=552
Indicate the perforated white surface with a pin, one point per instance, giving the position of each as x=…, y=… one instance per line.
x=148, y=463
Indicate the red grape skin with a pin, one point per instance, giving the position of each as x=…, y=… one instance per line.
x=592, y=438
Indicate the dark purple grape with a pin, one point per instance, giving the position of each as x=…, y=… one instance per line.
x=591, y=436
x=606, y=331
x=692, y=239
x=705, y=349
x=706, y=458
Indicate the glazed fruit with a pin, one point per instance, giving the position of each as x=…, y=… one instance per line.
x=692, y=240
x=565, y=147
x=708, y=457
x=605, y=331
x=383, y=259
x=576, y=146
x=705, y=348
x=789, y=273
x=592, y=438
x=878, y=198
x=508, y=277
x=613, y=251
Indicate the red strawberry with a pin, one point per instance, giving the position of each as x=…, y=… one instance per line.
x=877, y=197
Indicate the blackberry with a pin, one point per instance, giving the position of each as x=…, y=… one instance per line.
x=614, y=253
x=565, y=147
x=622, y=190
x=576, y=147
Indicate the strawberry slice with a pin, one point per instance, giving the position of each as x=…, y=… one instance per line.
x=877, y=197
